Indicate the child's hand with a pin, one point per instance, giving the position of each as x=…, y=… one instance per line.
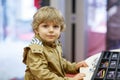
x=81, y=64
x=79, y=76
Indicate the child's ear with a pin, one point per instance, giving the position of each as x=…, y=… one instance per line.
x=36, y=32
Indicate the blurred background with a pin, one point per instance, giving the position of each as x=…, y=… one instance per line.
x=92, y=26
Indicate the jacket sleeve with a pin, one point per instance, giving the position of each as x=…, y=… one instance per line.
x=38, y=66
x=69, y=67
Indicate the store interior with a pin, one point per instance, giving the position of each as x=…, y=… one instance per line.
x=92, y=27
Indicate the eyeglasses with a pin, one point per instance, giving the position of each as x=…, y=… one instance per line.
x=111, y=74
x=104, y=64
x=101, y=73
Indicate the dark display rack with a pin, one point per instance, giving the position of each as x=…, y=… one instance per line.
x=108, y=66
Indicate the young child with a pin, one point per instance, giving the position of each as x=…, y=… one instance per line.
x=43, y=57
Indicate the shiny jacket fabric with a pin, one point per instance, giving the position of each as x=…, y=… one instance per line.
x=45, y=62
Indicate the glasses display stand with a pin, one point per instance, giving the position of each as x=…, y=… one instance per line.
x=108, y=66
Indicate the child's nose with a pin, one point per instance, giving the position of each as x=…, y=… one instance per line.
x=51, y=29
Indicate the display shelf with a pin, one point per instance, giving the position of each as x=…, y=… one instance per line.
x=108, y=66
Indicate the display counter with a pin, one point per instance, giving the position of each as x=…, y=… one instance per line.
x=92, y=63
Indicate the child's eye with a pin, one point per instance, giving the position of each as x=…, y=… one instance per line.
x=56, y=26
x=45, y=26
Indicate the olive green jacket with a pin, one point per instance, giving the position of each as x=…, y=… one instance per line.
x=45, y=62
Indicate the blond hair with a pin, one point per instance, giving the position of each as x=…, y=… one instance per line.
x=48, y=14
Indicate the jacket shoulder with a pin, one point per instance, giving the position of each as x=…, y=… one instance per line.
x=35, y=48
x=36, y=45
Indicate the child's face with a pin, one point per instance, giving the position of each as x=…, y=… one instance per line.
x=49, y=32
